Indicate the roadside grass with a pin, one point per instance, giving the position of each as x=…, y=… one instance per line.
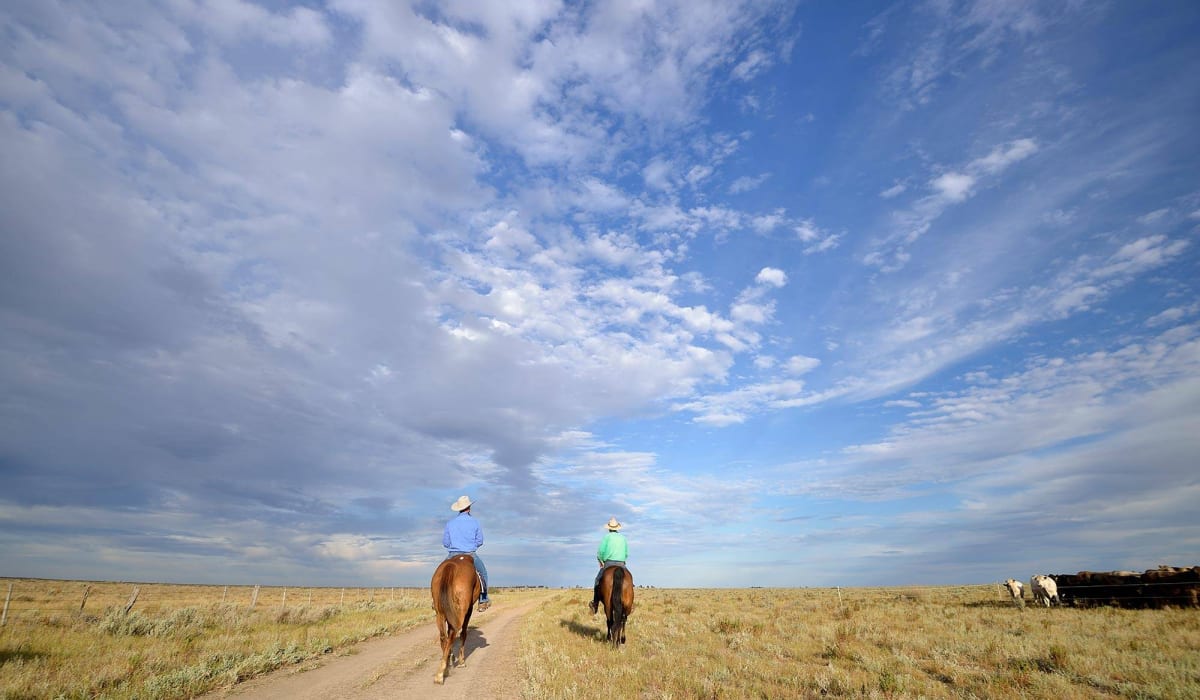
x=179, y=641
x=946, y=642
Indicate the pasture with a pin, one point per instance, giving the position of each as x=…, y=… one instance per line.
x=941, y=642
x=946, y=642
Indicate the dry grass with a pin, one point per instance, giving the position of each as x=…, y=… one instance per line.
x=178, y=641
x=953, y=642
x=960, y=642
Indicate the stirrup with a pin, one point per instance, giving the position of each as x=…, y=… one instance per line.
x=484, y=605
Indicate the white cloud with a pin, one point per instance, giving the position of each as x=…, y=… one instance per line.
x=768, y=222
x=1172, y=315
x=657, y=175
x=747, y=183
x=753, y=64
x=818, y=241
x=950, y=188
x=953, y=187
x=771, y=276
x=799, y=364
x=1004, y=156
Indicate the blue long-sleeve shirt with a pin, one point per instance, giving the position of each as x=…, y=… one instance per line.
x=462, y=534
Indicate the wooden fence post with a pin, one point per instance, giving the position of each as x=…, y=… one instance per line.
x=132, y=600
x=283, y=605
x=254, y=597
x=86, y=589
x=224, y=593
x=4, y=615
x=343, y=600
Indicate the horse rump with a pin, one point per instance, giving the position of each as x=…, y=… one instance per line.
x=618, y=602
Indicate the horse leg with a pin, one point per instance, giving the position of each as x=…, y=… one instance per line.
x=462, y=647
x=446, y=637
x=462, y=634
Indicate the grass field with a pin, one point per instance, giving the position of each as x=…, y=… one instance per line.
x=953, y=642
x=948, y=642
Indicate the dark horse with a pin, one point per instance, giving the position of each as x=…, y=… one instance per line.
x=455, y=588
x=616, y=592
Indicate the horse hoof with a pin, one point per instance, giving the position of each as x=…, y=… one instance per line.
x=439, y=680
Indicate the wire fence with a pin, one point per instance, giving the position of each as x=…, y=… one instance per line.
x=1158, y=593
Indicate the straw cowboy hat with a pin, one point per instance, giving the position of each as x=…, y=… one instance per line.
x=461, y=504
x=613, y=524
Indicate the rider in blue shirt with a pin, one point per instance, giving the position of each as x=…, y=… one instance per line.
x=463, y=536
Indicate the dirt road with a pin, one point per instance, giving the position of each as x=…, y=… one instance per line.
x=403, y=666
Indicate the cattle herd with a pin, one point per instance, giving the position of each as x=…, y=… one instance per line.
x=1165, y=586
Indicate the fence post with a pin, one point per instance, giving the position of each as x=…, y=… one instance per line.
x=283, y=605
x=254, y=597
x=132, y=599
x=343, y=600
x=4, y=615
x=224, y=593
x=86, y=589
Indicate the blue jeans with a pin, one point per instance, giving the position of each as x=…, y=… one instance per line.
x=596, y=587
x=607, y=563
x=478, y=567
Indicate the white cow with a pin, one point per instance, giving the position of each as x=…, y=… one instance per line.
x=1016, y=590
x=1044, y=590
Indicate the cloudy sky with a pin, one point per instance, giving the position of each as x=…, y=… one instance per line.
x=802, y=293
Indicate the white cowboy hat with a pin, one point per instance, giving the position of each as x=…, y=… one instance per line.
x=461, y=504
x=613, y=524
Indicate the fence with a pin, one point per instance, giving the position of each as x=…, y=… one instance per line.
x=41, y=599
x=1155, y=588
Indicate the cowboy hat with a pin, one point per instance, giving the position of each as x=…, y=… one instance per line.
x=461, y=504
x=613, y=524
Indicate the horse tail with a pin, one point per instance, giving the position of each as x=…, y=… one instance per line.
x=446, y=598
x=615, y=604
x=447, y=606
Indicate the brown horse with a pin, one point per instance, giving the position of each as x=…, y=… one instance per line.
x=616, y=592
x=455, y=588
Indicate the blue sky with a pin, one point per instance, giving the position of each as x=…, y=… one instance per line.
x=804, y=294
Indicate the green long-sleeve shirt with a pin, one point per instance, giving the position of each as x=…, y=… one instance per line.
x=613, y=548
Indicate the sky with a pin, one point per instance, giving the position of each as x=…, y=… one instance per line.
x=803, y=294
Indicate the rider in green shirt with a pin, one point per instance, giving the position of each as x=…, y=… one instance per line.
x=613, y=551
